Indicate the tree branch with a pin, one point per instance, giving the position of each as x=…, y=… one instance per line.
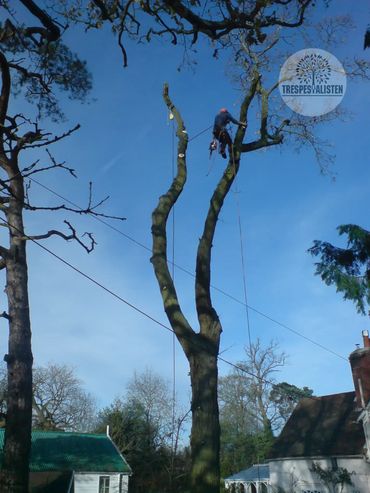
x=4, y=100
x=178, y=322
x=90, y=209
x=52, y=31
x=207, y=316
x=73, y=236
x=56, y=138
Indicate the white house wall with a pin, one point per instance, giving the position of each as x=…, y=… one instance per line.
x=365, y=416
x=89, y=483
x=294, y=475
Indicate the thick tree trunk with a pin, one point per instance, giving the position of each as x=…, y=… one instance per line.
x=201, y=349
x=14, y=475
x=205, y=430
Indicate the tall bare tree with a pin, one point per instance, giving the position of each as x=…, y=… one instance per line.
x=275, y=125
x=201, y=348
x=59, y=400
x=35, y=64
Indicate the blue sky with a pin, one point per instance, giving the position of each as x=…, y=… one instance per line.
x=125, y=147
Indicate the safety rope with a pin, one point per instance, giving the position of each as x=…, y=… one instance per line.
x=244, y=276
x=173, y=334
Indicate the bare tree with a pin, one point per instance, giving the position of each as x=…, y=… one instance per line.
x=249, y=387
x=152, y=392
x=263, y=363
x=60, y=401
x=33, y=63
x=276, y=125
x=165, y=417
x=250, y=395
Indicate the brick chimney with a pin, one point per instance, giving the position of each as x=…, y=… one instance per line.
x=360, y=365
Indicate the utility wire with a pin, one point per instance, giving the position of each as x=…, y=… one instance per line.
x=188, y=272
x=121, y=299
x=134, y=307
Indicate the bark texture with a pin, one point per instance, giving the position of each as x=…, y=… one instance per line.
x=201, y=348
x=19, y=359
x=14, y=473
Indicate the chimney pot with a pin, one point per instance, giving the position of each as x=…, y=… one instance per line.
x=365, y=336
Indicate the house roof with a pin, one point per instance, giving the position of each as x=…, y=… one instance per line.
x=321, y=426
x=63, y=451
x=258, y=472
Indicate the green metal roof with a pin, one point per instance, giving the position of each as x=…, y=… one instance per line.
x=65, y=451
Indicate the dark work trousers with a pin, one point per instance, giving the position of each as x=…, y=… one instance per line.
x=223, y=136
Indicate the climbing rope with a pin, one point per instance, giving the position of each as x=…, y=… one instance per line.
x=173, y=333
x=244, y=271
x=244, y=276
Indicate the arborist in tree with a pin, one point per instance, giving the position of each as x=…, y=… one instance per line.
x=220, y=132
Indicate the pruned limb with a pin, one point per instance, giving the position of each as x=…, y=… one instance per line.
x=207, y=316
x=73, y=236
x=178, y=322
x=266, y=139
x=5, y=315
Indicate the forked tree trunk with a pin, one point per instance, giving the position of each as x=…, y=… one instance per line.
x=201, y=348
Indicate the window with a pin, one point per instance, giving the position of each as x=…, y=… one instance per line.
x=104, y=484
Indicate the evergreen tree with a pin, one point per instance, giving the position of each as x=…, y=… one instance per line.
x=348, y=269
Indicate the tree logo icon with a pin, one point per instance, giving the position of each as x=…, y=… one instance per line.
x=313, y=69
x=312, y=82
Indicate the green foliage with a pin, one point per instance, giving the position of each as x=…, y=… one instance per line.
x=251, y=408
x=134, y=436
x=286, y=396
x=41, y=69
x=135, y=431
x=347, y=268
x=241, y=450
x=332, y=478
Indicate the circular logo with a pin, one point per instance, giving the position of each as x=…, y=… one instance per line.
x=312, y=82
